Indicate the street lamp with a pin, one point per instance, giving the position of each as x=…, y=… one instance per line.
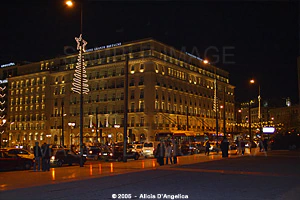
x=252, y=81
x=48, y=136
x=72, y=125
x=80, y=85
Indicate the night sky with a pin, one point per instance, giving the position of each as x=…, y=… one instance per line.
x=261, y=39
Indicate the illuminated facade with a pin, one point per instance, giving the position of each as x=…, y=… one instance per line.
x=168, y=90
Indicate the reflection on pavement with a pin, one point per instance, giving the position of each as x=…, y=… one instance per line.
x=92, y=169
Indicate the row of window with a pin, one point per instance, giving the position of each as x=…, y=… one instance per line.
x=32, y=90
x=31, y=117
x=28, y=82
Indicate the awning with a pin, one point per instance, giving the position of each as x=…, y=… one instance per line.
x=179, y=134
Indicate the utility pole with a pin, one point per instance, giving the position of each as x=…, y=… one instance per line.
x=125, y=109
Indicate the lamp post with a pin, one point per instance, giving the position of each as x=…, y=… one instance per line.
x=252, y=81
x=72, y=125
x=80, y=85
x=48, y=136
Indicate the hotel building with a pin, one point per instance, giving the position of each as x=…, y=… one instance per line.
x=168, y=91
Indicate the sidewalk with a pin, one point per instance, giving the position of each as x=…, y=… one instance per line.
x=198, y=176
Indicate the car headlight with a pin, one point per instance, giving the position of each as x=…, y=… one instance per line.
x=52, y=158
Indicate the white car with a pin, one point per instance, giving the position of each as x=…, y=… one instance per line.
x=20, y=152
x=138, y=148
x=148, y=148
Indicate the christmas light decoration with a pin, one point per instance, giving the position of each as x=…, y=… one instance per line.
x=215, y=97
x=2, y=88
x=80, y=76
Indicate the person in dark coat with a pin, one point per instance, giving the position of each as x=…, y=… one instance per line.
x=224, y=147
x=160, y=153
x=207, y=146
x=46, y=153
x=37, y=157
x=175, y=151
x=265, y=143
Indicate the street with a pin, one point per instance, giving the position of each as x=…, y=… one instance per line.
x=271, y=175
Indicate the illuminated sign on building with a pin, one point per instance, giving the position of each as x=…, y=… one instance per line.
x=268, y=129
x=8, y=64
x=104, y=47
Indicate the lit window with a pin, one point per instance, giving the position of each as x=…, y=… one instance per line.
x=142, y=67
x=132, y=69
x=156, y=68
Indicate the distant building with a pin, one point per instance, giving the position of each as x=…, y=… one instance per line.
x=168, y=91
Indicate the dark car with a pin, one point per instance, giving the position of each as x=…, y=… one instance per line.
x=65, y=156
x=93, y=152
x=188, y=149
x=105, y=153
x=13, y=161
x=117, y=154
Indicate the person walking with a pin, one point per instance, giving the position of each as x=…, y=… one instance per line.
x=43, y=149
x=168, y=153
x=243, y=144
x=207, y=146
x=160, y=153
x=175, y=149
x=46, y=153
x=224, y=147
x=37, y=157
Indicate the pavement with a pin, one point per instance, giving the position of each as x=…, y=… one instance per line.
x=273, y=175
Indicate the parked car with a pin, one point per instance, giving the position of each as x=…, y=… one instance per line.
x=148, y=149
x=20, y=152
x=138, y=148
x=117, y=154
x=200, y=148
x=105, y=153
x=65, y=156
x=14, y=162
x=93, y=152
x=233, y=148
x=214, y=147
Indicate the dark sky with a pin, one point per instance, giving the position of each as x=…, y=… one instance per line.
x=260, y=39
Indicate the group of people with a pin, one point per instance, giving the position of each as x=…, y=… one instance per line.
x=42, y=157
x=167, y=149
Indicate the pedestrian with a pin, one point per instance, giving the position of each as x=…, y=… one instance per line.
x=224, y=147
x=238, y=145
x=37, y=157
x=207, y=146
x=260, y=144
x=168, y=153
x=175, y=151
x=265, y=142
x=46, y=154
x=160, y=153
x=43, y=149
x=243, y=146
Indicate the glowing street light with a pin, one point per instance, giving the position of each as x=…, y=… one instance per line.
x=80, y=85
x=69, y=3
